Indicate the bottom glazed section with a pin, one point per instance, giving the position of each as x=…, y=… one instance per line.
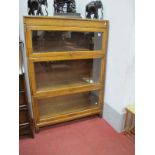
x=60, y=105
x=68, y=117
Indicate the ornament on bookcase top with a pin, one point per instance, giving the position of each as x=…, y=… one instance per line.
x=64, y=6
x=92, y=9
x=37, y=7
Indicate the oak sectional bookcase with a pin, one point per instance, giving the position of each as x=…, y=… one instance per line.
x=66, y=63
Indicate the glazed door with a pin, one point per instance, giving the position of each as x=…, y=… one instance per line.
x=56, y=42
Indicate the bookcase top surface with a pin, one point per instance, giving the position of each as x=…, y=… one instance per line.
x=64, y=18
x=49, y=20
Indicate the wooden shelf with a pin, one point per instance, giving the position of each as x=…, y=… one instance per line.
x=25, y=121
x=66, y=89
x=23, y=125
x=55, y=106
x=25, y=129
x=21, y=91
x=63, y=84
x=68, y=73
x=23, y=107
x=68, y=117
x=48, y=56
x=66, y=65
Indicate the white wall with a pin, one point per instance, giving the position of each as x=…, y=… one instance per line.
x=119, y=88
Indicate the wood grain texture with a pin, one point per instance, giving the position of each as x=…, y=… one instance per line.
x=68, y=117
x=66, y=90
x=65, y=22
x=38, y=57
x=25, y=120
x=59, y=105
x=71, y=112
x=103, y=67
x=65, y=28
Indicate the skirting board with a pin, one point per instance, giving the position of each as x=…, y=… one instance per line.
x=115, y=119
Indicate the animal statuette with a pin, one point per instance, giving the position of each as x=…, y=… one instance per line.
x=92, y=9
x=64, y=6
x=35, y=7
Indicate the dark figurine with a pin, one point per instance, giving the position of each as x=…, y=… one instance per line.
x=59, y=6
x=92, y=9
x=36, y=5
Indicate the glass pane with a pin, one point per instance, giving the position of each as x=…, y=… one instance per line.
x=54, y=74
x=67, y=104
x=45, y=41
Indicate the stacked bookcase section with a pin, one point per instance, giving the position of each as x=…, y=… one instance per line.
x=66, y=63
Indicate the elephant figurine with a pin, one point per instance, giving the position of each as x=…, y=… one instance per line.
x=59, y=6
x=36, y=5
x=92, y=8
